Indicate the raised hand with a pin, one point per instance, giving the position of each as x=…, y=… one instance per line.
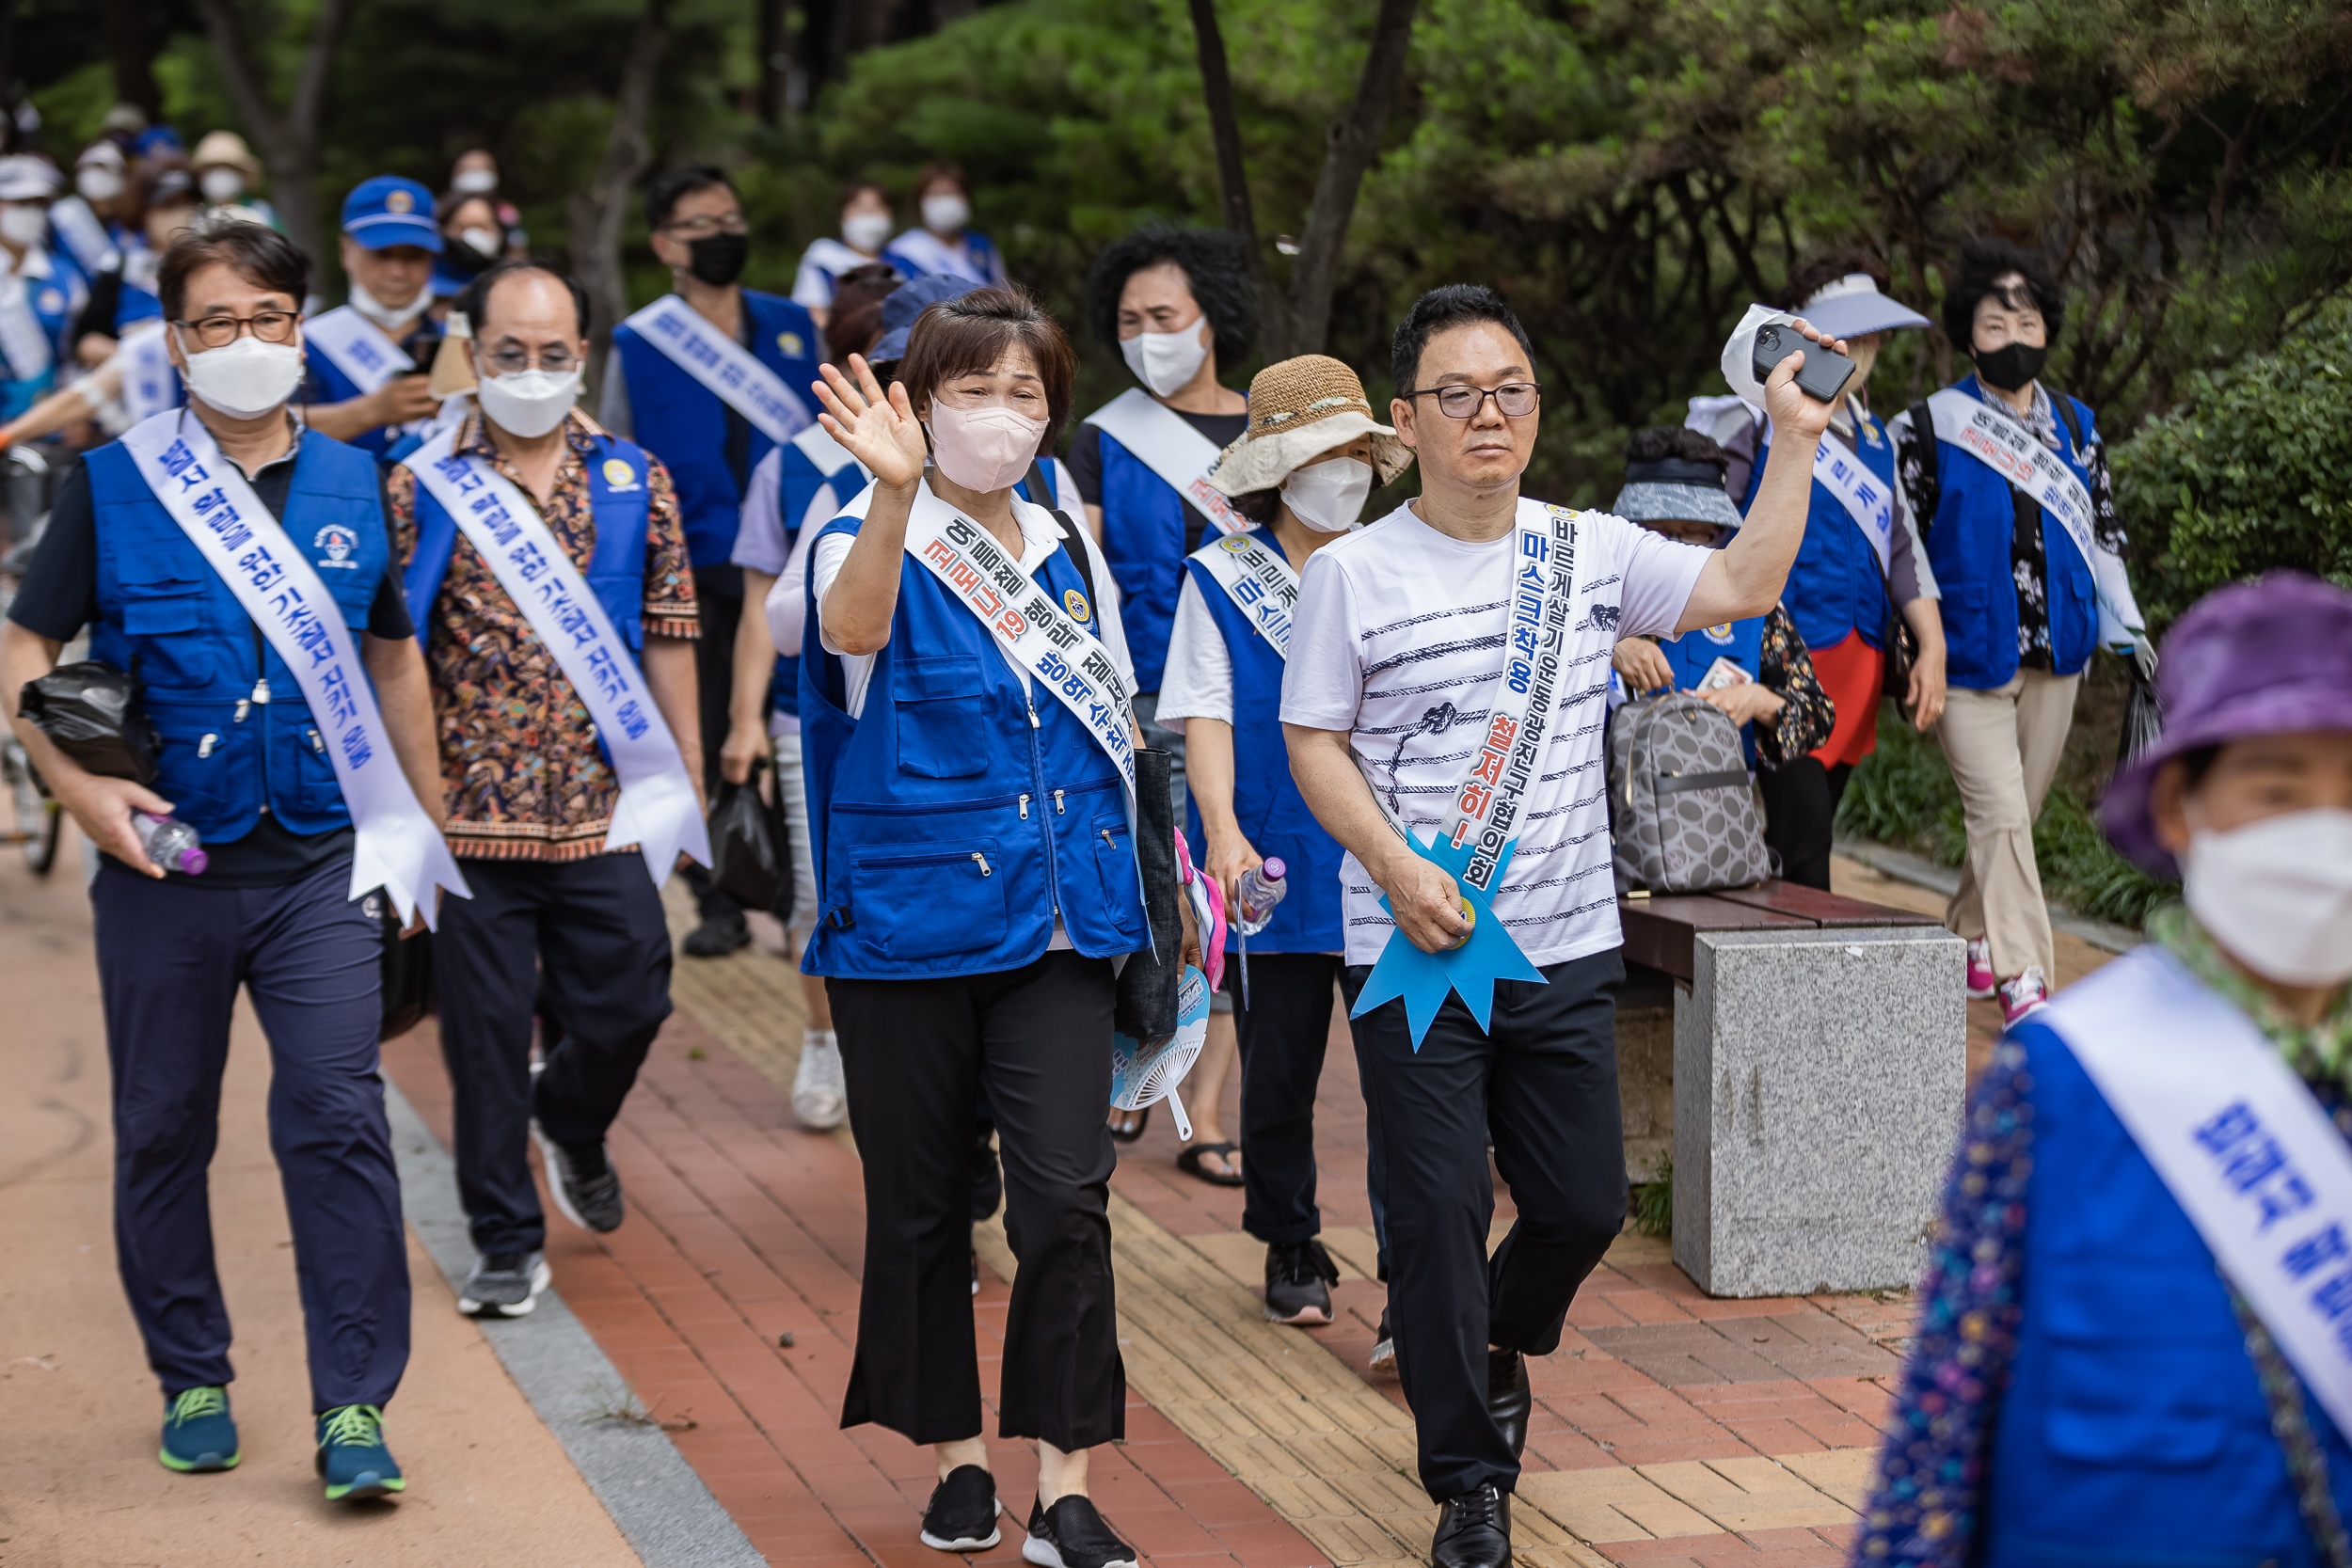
x=1792, y=412
x=880, y=431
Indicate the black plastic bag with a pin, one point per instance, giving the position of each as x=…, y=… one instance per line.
x=1146, y=1007
x=747, y=851
x=411, y=994
x=2143, y=716
x=90, y=711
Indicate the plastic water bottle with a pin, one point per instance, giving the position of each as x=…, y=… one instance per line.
x=169, y=842
x=1259, y=889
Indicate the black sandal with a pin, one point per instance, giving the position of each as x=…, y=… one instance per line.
x=1143, y=1119
x=1188, y=1160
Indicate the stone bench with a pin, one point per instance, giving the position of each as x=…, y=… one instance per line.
x=1814, y=1049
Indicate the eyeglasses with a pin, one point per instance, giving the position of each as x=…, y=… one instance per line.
x=1516, y=400
x=514, y=361
x=271, y=327
x=703, y=228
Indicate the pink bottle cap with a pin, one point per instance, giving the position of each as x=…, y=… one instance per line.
x=193, y=862
x=1272, y=868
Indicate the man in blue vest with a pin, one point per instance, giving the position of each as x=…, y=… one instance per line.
x=369, y=358
x=254, y=756
x=710, y=430
x=565, y=923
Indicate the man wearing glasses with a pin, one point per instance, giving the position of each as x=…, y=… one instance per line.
x=368, y=358
x=1447, y=673
x=562, y=923
x=712, y=377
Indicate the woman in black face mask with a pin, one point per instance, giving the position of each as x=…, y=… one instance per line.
x=473, y=238
x=2010, y=479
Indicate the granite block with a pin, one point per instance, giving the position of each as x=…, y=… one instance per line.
x=1818, y=1082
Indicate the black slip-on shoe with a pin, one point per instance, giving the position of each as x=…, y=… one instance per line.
x=1473, y=1531
x=1070, y=1534
x=1509, y=1399
x=1298, y=1280
x=962, y=1517
x=721, y=932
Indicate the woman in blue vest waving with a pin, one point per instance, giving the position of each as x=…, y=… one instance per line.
x=2010, y=482
x=967, y=742
x=2131, y=1343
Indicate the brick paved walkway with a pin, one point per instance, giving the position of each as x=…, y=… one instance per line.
x=1669, y=1428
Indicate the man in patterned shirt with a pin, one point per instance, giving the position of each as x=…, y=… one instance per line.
x=562, y=924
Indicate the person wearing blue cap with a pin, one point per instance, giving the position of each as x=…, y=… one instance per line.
x=367, y=357
x=711, y=377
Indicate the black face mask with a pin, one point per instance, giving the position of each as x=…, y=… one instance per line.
x=718, y=259
x=2011, y=367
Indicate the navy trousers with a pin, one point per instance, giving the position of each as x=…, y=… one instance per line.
x=1543, y=1080
x=170, y=958
x=582, y=941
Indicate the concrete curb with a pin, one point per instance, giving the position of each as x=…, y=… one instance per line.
x=1905, y=866
x=662, y=1508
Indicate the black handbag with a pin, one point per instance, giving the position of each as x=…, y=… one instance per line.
x=750, y=854
x=411, y=995
x=1146, y=1009
x=91, y=712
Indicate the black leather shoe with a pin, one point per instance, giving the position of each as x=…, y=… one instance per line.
x=1508, y=1397
x=721, y=932
x=1473, y=1531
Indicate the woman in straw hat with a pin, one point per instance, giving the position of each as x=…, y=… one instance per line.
x=1298, y=475
x=2134, y=1339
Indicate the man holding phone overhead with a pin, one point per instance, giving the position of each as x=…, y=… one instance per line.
x=1442, y=704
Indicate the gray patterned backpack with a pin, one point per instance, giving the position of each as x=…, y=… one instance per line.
x=1679, y=806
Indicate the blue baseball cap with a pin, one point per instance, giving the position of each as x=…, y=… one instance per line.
x=908, y=300
x=388, y=210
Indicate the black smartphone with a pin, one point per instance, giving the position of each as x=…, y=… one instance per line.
x=1822, y=375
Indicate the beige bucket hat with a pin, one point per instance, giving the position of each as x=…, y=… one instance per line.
x=1300, y=409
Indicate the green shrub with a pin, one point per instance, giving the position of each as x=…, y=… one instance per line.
x=1654, y=1200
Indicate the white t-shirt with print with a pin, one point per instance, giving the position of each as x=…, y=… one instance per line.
x=1398, y=638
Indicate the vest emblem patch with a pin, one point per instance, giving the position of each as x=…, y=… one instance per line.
x=789, y=344
x=335, y=545
x=618, y=475
x=1074, y=602
x=50, y=303
x=1719, y=634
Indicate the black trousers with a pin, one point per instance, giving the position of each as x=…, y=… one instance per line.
x=1283, y=1032
x=171, y=956
x=1543, y=1080
x=595, y=928
x=719, y=605
x=1799, y=808
x=917, y=1053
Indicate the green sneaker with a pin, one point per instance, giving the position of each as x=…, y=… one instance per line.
x=352, y=1455
x=199, y=1432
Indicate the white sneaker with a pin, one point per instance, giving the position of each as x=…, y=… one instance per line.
x=820, y=1095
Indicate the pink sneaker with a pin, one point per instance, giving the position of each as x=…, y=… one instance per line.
x=1980, y=981
x=2027, y=994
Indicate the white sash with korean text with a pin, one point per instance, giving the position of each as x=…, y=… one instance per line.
x=1258, y=581
x=149, y=384
x=1868, y=500
x=1482, y=808
x=23, y=341
x=1168, y=446
x=86, y=238
x=2240, y=1143
x=723, y=365
x=657, y=809
x=398, y=847
x=358, y=347
x=1034, y=630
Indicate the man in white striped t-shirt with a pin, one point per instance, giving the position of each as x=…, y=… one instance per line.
x=1397, y=660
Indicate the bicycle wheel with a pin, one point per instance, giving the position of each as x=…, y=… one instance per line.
x=39, y=818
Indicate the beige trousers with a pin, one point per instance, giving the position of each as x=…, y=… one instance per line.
x=2004, y=746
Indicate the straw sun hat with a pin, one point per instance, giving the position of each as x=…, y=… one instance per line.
x=1298, y=410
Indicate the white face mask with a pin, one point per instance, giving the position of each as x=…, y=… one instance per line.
x=985, y=449
x=474, y=182
x=23, y=224
x=220, y=185
x=528, y=403
x=482, y=241
x=1166, y=361
x=865, y=232
x=391, y=320
x=946, y=215
x=2277, y=894
x=246, y=378
x=97, y=183
x=1329, y=497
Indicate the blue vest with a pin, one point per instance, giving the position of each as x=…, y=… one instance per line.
x=979, y=246
x=682, y=422
x=1836, y=588
x=1968, y=544
x=616, y=568
x=2133, y=1428
x=1143, y=543
x=1271, y=812
x=167, y=617
x=55, y=300
x=949, y=823
x=1695, y=652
